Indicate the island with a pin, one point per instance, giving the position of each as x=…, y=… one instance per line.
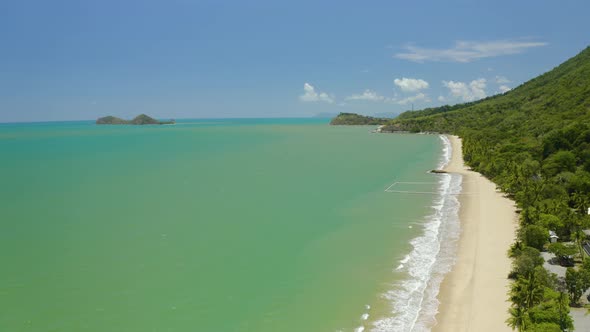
x=141, y=119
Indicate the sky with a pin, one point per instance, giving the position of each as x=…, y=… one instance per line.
x=78, y=60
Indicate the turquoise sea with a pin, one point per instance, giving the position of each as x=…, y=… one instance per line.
x=218, y=225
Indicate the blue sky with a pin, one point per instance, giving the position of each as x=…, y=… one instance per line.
x=73, y=60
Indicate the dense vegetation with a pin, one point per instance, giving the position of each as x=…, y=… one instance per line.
x=111, y=120
x=141, y=119
x=356, y=119
x=534, y=143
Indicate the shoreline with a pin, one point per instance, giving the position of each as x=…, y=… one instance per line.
x=473, y=295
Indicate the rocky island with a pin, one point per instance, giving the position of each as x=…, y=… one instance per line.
x=141, y=119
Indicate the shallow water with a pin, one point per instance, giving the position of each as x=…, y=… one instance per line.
x=219, y=225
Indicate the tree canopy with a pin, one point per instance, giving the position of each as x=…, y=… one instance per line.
x=534, y=143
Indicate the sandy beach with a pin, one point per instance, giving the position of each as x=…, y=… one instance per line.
x=473, y=295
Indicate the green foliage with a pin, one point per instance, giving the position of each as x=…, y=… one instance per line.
x=545, y=327
x=534, y=236
x=356, y=119
x=553, y=223
x=519, y=318
x=552, y=314
x=539, y=128
x=561, y=305
x=110, y=120
x=534, y=143
x=141, y=119
x=536, y=306
x=577, y=282
x=525, y=261
x=561, y=161
x=560, y=249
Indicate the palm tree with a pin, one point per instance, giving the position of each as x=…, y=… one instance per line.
x=525, y=293
x=565, y=321
x=579, y=236
x=519, y=318
x=580, y=201
x=533, y=290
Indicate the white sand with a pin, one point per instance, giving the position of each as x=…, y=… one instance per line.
x=473, y=296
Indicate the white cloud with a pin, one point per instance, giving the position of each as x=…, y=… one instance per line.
x=367, y=95
x=441, y=98
x=502, y=80
x=419, y=97
x=411, y=84
x=467, y=51
x=467, y=92
x=310, y=95
x=504, y=88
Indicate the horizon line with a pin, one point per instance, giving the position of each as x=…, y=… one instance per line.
x=205, y=118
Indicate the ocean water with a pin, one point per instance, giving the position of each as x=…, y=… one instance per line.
x=222, y=225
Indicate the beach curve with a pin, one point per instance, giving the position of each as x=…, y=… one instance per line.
x=473, y=296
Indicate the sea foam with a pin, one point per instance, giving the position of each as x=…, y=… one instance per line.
x=413, y=300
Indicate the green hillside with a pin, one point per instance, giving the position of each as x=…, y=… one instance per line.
x=534, y=143
x=356, y=119
x=110, y=120
x=533, y=122
x=553, y=99
x=143, y=119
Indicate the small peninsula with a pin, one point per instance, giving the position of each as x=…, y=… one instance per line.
x=355, y=119
x=141, y=119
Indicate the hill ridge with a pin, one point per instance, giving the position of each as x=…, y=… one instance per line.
x=141, y=119
x=534, y=143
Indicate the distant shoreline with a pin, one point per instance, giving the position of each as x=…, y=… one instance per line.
x=473, y=295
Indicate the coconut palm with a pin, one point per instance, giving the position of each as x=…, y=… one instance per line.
x=519, y=318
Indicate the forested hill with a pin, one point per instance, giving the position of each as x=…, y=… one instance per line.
x=534, y=143
x=356, y=119
x=553, y=99
x=547, y=114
